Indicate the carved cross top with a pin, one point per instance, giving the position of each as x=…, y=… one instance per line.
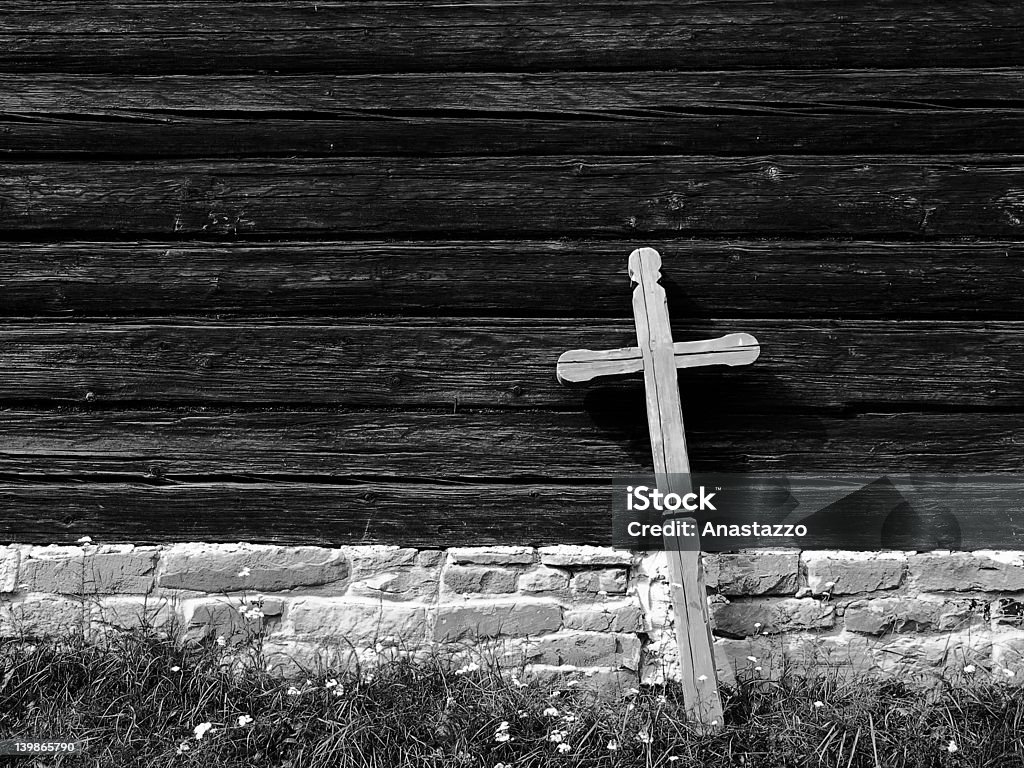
x=658, y=357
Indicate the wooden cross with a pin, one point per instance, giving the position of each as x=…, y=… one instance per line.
x=658, y=357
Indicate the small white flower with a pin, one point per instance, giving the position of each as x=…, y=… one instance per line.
x=643, y=737
x=251, y=613
x=554, y=694
x=332, y=683
x=563, y=748
x=952, y=747
x=247, y=571
x=244, y=720
x=503, y=726
x=85, y=540
x=714, y=722
x=556, y=736
x=175, y=668
x=757, y=625
x=293, y=691
x=829, y=584
x=752, y=658
x=550, y=712
x=970, y=669
x=757, y=669
x=819, y=704
x=1009, y=672
x=502, y=737
x=568, y=718
x=672, y=758
x=202, y=729
x=221, y=641
x=183, y=747
x=613, y=745
x=702, y=678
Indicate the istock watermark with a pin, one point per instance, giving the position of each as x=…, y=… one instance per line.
x=727, y=511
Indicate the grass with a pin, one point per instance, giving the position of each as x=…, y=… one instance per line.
x=136, y=699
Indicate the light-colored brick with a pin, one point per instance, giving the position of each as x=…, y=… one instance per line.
x=758, y=573
x=9, y=558
x=1008, y=655
x=415, y=579
x=878, y=616
x=587, y=649
x=464, y=579
x=361, y=623
x=610, y=684
x=491, y=555
x=542, y=579
x=130, y=612
x=582, y=556
x=852, y=573
x=611, y=581
x=968, y=571
x=742, y=619
x=943, y=653
x=375, y=558
x=43, y=616
x=734, y=656
x=607, y=617
x=494, y=619
x=213, y=618
x=712, y=564
x=251, y=567
x=103, y=570
x=294, y=658
x=429, y=558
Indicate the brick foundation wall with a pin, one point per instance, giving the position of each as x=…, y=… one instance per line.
x=601, y=612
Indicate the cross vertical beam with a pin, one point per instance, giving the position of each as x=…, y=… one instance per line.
x=658, y=357
x=672, y=467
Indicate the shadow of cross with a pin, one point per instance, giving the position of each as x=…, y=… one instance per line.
x=658, y=357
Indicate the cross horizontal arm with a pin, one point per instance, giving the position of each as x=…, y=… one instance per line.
x=581, y=365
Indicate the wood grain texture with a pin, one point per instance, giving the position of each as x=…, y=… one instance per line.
x=581, y=365
x=607, y=439
x=896, y=196
x=506, y=363
x=191, y=37
x=435, y=200
x=646, y=113
x=412, y=514
x=703, y=278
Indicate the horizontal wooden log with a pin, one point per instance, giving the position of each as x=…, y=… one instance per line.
x=238, y=36
x=703, y=279
x=565, y=446
x=884, y=112
x=438, y=515
x=477, y=362
x=896, y=196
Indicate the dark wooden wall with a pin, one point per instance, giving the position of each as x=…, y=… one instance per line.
x=300, y=272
